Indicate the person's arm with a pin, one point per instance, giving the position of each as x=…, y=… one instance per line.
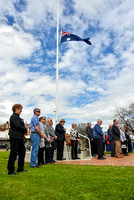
x=38, y=131
x=88, y=132
x=52, y=133
x=60, y=129
x=98, y=130
x=15, y=121
x=46, y=134
x=116, y=130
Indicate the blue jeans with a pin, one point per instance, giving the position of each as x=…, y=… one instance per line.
x=35, y=139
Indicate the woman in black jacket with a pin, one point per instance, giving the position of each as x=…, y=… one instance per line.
x=16, y=133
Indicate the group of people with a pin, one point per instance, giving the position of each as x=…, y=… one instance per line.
x=118, y=138
x=44, y=137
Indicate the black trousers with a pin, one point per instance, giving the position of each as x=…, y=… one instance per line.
x=104, y=144
x=48, y=154
x=60, y=149
x=93, y=147
x=99, y=144
x=41, y=155
x=112, y=148
x=17, y=147
x=52, y=153
x=124, y=150
x=74, y=144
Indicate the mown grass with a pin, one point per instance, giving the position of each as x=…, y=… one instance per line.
x=62, y=182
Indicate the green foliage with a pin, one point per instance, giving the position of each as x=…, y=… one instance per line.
x=61, y=182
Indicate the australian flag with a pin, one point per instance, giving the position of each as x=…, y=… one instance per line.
x=65, y=36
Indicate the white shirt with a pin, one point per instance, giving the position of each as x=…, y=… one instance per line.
x=123, y=137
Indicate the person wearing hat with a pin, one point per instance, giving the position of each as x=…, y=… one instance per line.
x=60, y=133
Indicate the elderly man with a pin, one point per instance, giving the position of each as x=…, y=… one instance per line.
x=89, y=131
x=35, y=137
x=116, y=137
x=111, y=140
x=16, y=132
x=60, y=132
x=49, y=139
x=98, y=136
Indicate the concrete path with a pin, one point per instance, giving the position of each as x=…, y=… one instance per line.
x=112, y=161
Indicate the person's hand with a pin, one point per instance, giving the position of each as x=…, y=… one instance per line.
x=78, y=139
x=48, y=139
x=42, y=136
x=65, y=129
x=91, y=139
x=55, y=137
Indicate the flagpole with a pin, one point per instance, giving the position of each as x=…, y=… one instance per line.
x=57, y=67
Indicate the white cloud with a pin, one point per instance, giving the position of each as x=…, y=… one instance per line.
x=105, y=68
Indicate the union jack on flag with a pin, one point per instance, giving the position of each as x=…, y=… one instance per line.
x=65, y=36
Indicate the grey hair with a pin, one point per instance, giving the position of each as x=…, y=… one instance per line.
x=35, y=110
x=73, y=124
x=98, y=120
x=49, y=118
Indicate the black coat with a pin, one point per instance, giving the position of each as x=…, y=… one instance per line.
x=89, y=132
x=115, y=132
x=60, y=132
x=17, y=127
x=110, y=134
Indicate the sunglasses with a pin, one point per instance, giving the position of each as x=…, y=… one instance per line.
x=43, y=119
x=38, y=111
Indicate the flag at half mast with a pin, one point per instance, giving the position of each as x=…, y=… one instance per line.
x=65, y=36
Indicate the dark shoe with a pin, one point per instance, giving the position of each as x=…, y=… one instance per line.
x=64, y=159
x=13, y=173
x=102, y=158
x=77, y=158
x=73, y=158
x=43, y=164
x=22, y=170
x=54, y=161
x=39, y=164
x=126, y=155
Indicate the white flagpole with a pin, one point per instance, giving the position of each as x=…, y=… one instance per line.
x=57, y=68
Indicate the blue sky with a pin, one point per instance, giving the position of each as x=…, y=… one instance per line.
x=93, y=80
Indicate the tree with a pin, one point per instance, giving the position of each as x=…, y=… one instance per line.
x=125, y=117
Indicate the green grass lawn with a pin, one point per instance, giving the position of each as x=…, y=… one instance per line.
x=67, y=182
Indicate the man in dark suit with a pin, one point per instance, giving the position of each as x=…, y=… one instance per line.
x=111, y=140
x=116, y=137
x=60, y=133
x=89, y=131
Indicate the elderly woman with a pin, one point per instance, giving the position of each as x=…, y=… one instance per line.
x=123, y=141
x=74, y=137
x=16, y=132
x=42, y=121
